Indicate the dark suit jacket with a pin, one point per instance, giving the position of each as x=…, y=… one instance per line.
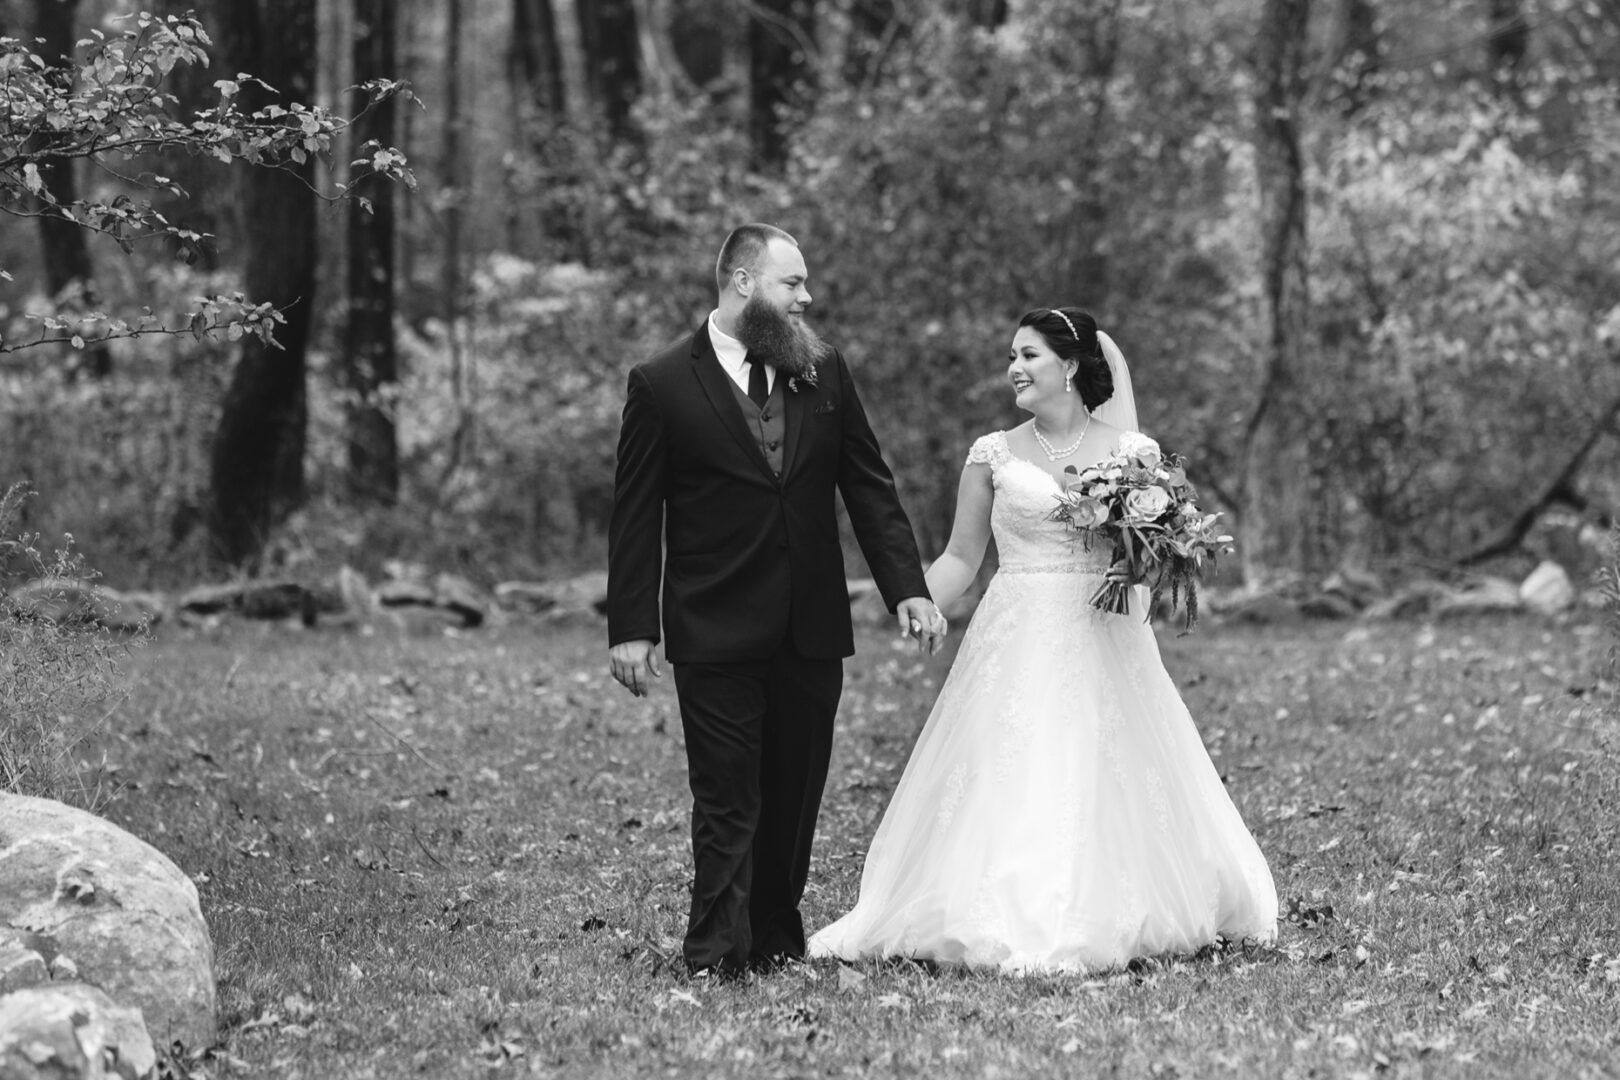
x=750, y=557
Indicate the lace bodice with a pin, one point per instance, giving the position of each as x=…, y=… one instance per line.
x=1027, y=540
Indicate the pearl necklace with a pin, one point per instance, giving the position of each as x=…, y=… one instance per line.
x=1054, y=454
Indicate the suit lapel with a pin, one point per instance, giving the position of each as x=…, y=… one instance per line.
x=717, y=385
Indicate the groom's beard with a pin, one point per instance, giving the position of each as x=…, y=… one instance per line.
x=781, y=338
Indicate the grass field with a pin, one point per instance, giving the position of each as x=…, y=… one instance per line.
x=446, y=857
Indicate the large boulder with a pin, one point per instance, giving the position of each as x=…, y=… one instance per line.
x=71, y=1031
x=105, y=908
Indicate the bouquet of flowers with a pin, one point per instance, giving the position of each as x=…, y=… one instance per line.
x=1138, y=499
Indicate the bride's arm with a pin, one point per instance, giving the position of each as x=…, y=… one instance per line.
x=951, y=573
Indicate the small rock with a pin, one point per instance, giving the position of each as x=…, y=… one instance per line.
x=1359, y=588
x=277, y=600
x=1414, y=601
x=1329, y=605
x=534, y=597
x=416, y=620
x=71, y=1030
x=208, y=599
x=356, y=592
x=1548, y=589
x=400, y=592
x=1490, y=596
x=461, y=596
x=582, y=594
x=57, y=600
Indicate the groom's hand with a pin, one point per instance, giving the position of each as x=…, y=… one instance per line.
x=635, y=665
x=920, y=619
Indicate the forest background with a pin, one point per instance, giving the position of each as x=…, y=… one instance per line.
x=1364, y=256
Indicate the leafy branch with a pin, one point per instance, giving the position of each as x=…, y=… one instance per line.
x=110, y=105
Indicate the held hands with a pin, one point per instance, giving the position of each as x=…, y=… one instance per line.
x=635, y=664
x=920, y=619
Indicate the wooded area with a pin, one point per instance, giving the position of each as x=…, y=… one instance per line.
x=1362, y=254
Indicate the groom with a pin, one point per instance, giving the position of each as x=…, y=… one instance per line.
x=732, y=442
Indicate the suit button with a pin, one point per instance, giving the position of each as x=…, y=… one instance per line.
x=771, y=444
x=766, y=415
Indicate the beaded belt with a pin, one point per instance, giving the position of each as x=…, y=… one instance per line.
x=1051, y=568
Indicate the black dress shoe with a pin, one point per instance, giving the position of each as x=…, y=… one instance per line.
x=770, y=963
x=714, y=974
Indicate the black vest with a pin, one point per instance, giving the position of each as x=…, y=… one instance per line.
x=769, y=426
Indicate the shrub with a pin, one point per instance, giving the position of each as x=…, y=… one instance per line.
x=59, y=674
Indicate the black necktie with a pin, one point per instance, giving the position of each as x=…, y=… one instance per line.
x=757, y=390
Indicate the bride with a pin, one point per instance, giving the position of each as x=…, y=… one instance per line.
x=1059, y=811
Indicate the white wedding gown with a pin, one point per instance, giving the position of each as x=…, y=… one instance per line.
x=1059, y=811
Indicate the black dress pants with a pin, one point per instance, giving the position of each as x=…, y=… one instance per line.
x=758, y=740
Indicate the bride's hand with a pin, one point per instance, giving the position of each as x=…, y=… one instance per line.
x=920, y=619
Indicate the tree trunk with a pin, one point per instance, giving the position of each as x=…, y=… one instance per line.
x=451, y=272
x=1506, y=45
x=781, y=44
x=535, y=61
x=661, y=69
x=69, y=275
x=607, y=32
x=258, y=456
x=369, y=357
x=1560, y=489
x=569, y=18
x=1280, y=518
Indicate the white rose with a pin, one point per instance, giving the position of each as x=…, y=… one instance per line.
x=1142, y=448
x=1087, y=513
x=1147, y=504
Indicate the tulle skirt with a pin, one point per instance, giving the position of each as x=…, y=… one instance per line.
x=1059, y=811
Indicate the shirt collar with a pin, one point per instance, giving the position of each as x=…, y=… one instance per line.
x=732, y=354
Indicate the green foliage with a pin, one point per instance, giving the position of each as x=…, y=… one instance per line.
x=109, y=108
x=58, y=677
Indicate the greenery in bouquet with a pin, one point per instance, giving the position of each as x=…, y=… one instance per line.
x=1138, y=500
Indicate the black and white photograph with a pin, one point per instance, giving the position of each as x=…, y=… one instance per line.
x=798, y=539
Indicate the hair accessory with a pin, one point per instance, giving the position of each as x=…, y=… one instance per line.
x=1067, y=323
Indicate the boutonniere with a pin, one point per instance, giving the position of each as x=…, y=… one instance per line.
x=804, y=380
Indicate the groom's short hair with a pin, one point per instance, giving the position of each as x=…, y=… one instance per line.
x=743, y=249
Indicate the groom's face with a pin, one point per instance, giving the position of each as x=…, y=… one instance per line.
x=779, y=283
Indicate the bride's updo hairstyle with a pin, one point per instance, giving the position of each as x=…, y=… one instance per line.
x=1072, y=334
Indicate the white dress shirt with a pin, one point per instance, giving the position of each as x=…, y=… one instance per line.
x=733, y=356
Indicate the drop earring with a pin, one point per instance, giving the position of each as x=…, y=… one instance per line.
x=1068, y=383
